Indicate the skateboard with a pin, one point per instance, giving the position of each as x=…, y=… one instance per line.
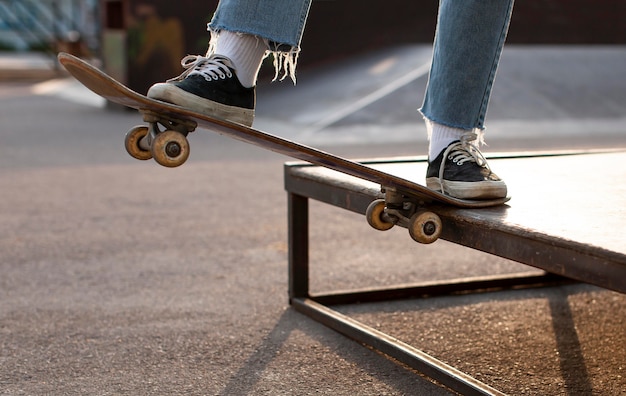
x=164, y=138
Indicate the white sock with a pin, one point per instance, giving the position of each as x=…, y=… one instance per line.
x=246, y=51
x=440, y=137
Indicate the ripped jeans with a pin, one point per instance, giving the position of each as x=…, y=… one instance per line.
x=468, y=42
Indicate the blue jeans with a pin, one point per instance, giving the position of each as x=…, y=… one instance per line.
x=280, y=22
x=468, y=42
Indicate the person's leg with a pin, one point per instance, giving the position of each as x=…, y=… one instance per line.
x=468, y=43
x=280, y=23
x=222, y=83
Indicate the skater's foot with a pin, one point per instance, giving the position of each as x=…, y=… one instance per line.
x=461, y=171
x=209, y=86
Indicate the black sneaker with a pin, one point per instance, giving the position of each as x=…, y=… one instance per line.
x=209, y=86
x=461, y=171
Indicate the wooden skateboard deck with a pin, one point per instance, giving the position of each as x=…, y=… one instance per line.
x=170, y=147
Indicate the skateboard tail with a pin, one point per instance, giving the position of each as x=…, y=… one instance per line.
x=91, y=77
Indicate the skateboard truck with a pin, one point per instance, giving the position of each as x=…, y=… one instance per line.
x=402, y=209
x=169, y=147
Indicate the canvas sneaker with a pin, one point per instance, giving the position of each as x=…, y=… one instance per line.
x=461, y=171
x=210, y=86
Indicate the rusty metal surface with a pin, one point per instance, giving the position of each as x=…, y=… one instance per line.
x=564, y=217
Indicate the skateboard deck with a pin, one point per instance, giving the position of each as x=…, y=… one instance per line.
x=404, y=201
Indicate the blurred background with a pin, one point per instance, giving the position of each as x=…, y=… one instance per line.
x=142, y=41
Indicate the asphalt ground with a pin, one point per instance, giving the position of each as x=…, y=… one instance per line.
x=122, y=277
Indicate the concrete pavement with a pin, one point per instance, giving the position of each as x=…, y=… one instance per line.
x=122, y=277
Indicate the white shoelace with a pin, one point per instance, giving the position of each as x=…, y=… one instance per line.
x=462, y=152
x=211, y=68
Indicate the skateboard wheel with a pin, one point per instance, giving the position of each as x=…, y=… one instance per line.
x=170, y=149
x=374, y=215
x=132, y=143
x=425, y=227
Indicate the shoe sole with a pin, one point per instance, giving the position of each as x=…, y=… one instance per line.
x=172, y=94
x=469, y=190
